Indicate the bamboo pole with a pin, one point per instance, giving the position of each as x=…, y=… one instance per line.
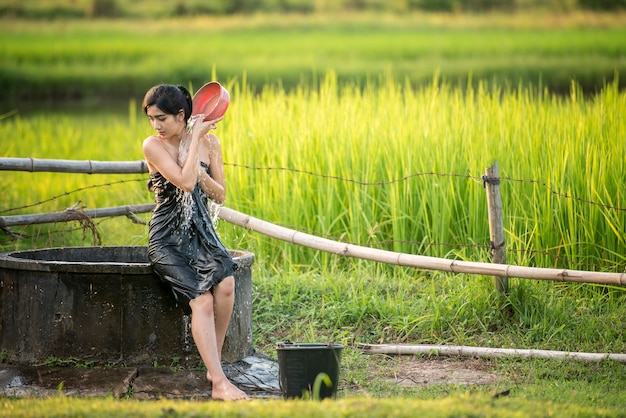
x=465, y=351
x=334, y=247
x=491, y=181
x=74, y=215
x=73, y=166
x=417, y=261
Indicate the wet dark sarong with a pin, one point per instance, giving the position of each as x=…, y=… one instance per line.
x=183, y=247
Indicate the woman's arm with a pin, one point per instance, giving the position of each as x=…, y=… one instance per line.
x=214, y=182
x=165, y=161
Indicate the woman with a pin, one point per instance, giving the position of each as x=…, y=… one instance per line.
x=186, y=168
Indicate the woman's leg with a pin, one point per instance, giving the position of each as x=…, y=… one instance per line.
x=203, y=331
x=223, y=301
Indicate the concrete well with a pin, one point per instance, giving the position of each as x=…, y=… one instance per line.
x=104, y=304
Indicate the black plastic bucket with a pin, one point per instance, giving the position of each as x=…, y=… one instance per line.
x=310, y=369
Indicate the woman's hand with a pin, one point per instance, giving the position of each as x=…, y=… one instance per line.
x=200, y=127
x=214, y=121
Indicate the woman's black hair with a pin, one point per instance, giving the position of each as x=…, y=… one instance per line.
x=169, y=98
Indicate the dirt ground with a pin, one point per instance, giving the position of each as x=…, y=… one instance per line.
x=418, y=371
x=258, y=376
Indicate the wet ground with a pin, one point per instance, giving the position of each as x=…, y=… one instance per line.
x=256, y=375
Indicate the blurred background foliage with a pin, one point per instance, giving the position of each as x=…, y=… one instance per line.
x=53, y=9
x=110, y=51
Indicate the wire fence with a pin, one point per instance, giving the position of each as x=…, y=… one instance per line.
x=480, y=179
x=89, y=224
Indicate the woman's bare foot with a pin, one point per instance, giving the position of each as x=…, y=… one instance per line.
x=226, y=391
x=208, y=377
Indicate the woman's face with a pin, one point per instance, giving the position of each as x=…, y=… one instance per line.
x=166, y=125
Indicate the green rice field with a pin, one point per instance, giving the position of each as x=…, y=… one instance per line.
x=394, y=167
x=113, y=60
x=389, y=155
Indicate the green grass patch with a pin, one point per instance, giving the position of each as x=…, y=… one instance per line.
x=394, y=168
x=105, y=60
x=453, y=406
x=398, y=167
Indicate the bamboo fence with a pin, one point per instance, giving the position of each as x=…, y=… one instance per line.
x=491, y=181
x=465, y=351
x=76, y=214
x=417, y=261
x=286, y=234
x=73, y=166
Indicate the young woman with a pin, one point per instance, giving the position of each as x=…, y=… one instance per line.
x=186, y=168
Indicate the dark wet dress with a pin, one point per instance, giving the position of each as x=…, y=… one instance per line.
x=183, y=246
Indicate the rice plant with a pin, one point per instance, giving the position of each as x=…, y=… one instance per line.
x=393, y=167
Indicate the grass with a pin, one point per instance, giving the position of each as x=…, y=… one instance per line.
x=308, y=296
x=358, y=308
x=391, y=165
x=526, y=388
x=100, y=60
x=532, y=380
x=386, y=135
x=461, y=405
x=411, y=166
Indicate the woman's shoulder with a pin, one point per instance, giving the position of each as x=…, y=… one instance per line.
x=153, y=147
x=150, y=141
x=149, y=147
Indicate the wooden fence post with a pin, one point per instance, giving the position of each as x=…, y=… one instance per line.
x=491, y=182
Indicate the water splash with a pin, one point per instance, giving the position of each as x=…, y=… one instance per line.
x=183, y=150
x=185, y=199
x=214, y=212
x=187, y=333
x=183, y=147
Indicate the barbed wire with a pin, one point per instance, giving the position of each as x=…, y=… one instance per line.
x=80, y=189
x=478, y=179
x=353, y=181
x=50, y=232
x=564, y=195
